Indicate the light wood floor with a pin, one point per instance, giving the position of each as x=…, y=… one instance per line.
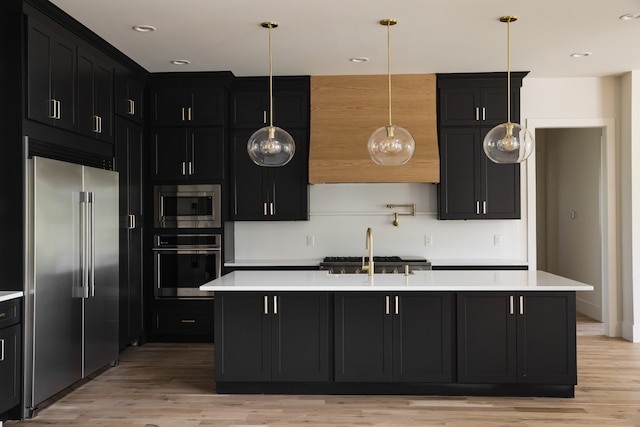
x=171, y=385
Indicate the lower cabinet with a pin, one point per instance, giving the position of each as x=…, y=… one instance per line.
x=272, y=336
x=393, y=337
x=182, y=320
x=10, y=355
x=511, y=337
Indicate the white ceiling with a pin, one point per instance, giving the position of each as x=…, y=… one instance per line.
x=317, y=37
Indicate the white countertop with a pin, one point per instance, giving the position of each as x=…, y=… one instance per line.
x=7, y=295
x=429, y=280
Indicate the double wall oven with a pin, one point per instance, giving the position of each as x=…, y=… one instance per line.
x=187, y=252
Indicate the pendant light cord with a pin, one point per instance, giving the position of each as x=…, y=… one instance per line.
x=389, y=66
x=509, y=70
x=270, y=80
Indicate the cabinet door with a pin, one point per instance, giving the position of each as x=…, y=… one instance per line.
x=242, y=336
x=547, y=338
x=500, y=189
x=10, y=367
x=460, y=106
x=250, y=109
x=128, y=101
x=288, y=185
x=248, y=199
x=169, y=154
x=422, y=334
x=169, y=106
x=95, y=97
x=206, y=154
x=128, y=144
x=300, y=337
x=362, y=332
x=207, y=106
x=486, y=337
x=459, y=188
x=51, y=76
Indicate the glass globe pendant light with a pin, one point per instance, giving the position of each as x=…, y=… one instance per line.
x=390, y=145
x=508, y=142
x=271, y=145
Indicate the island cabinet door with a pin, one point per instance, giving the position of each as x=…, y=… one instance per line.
x=422, y=337
x=242, y=337
x=300, y=336
x=547, y=338
x=363, y=331
x=486, y=337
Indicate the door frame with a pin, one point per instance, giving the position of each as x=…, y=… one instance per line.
x=608, y=210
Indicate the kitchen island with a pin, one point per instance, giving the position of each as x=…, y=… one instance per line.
x=489, y=332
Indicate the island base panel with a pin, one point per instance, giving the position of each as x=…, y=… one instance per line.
x=511, y=390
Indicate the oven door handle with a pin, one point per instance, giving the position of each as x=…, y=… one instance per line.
x=188, y=250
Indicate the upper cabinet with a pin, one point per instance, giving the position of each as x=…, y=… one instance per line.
x=188, y=106
x=346, y=110
x=95, y=95
x=472, y=186
x=51, y=75
x=265, y=193
x=250, y=106
x=129, y=95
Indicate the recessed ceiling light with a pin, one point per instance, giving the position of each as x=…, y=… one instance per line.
x=180, y=62
x=580, y=54
x=143, y=28
x=630, y=16
x=359, y=59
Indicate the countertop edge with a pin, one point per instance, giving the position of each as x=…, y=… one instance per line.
x=9, y=295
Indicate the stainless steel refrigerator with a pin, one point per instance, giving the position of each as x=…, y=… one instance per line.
x=71, y=286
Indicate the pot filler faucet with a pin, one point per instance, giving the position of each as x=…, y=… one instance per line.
x=369, y=246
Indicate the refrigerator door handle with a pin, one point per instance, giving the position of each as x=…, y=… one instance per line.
x=84, y=246
x=92, y=248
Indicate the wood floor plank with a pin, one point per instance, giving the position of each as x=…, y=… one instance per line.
x=168, y=385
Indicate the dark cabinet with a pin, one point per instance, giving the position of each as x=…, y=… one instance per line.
x=472, y=186
x=250, y=106
x=129, y=143
x=129, y=95
x=51, y=75
x=277, y=337
x=524, y=337
x=10, y=354
x=188, y=106
x=195, y=154
x=385, y=337
x=265, y=193
x=182, y=320
x=95, y=96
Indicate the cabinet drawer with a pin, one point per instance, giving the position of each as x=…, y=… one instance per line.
x=182, y=323
x=10, y=312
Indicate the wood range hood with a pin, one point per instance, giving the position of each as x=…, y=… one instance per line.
x=345, y=110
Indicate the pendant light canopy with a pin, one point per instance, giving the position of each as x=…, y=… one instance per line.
x=271, y=145
x=390, y=145
x=508, y=142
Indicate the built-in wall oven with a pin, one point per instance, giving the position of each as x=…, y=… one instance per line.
x=187, y=206
x=183, y=262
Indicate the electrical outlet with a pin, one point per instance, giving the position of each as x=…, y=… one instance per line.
x=428, y=240
x=311, y=240
x=497, y=239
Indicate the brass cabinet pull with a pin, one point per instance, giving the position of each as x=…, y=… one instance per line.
x=477, y=113
x=183, y=114
x=189, y=114
x=510, y=304
x=184, y=168
x=264, y=116
x=397, y=298
x=95, y=124
x=484, y=113
x=190, y=168
x=266, y=304
x=131, y=107
x=2, y=350
x=484, y=207
x=386, y=304
x=275, y=304
x=477, y=207
x=521, y=304
x=53, y=108
x=188, y=321
x=264, y=208
x=271, y=208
